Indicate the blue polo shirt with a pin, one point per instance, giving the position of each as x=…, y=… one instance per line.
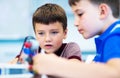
x=108, y=44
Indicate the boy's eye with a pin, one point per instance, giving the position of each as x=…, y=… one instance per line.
x=41, y=33
x=54, y=32
x=80, y=14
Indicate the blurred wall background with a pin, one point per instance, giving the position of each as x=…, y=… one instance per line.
x=16, y=23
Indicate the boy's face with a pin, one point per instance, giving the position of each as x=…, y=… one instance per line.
x=87, y=18
x=50, y=36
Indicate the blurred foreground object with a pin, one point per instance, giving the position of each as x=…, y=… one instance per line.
x=15, y=71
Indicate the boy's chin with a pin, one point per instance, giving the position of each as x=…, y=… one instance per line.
x=49, y=52
x=87, y=36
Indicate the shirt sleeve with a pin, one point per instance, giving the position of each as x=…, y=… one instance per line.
x=72, y=51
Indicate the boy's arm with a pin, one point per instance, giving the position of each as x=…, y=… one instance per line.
x=94, y=70
x=53, y=65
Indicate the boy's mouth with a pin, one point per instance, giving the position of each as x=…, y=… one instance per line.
x=81, y=31
x=48, y=46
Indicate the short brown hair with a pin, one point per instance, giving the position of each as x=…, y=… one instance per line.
x=114, y=5
x=50, y=13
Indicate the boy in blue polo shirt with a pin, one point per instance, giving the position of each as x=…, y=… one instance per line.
x=92, y=17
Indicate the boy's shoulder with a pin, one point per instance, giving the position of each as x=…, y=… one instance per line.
x=114, y=33
x=72, y=43
x=115, y=30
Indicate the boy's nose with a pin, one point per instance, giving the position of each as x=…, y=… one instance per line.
x=76, y=22
x=47, y=38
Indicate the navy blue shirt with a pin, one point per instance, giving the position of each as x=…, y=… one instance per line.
x=108, y=44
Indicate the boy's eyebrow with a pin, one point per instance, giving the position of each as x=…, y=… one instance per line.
x=54, y=29
x=50, y=30
x=39, y=30
x=78, y=10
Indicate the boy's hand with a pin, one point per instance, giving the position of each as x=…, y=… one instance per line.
x=14, y=61
x=44, y=63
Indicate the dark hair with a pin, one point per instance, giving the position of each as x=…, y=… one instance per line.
x=114, y=5
x=50, y=13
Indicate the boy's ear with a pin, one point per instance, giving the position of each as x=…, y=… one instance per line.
x=65, y=33
x=103, y=10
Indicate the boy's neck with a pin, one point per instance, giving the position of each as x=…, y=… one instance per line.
x=108, y=23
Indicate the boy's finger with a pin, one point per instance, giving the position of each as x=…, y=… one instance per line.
x=14, y=61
